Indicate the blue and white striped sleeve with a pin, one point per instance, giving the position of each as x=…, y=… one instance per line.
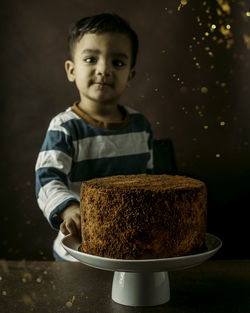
x=52, y=169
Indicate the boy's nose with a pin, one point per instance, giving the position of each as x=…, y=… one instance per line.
x=103, y=69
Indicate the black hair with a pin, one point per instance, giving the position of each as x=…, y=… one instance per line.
x=102, y=23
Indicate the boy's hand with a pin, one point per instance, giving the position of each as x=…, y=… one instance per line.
x=71, y=220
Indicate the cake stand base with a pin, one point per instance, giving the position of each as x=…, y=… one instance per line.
x=141, y=289
x=141, y=282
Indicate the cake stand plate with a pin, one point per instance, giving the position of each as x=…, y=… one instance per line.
x=141, y=282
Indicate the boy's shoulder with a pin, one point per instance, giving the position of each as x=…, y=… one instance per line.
x=136, y=114
x=130, y=110
x=65, y=116
x=133, y=111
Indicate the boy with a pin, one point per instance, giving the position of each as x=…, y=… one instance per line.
x=95, y=137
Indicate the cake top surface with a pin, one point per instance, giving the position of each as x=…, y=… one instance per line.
x=145, y=182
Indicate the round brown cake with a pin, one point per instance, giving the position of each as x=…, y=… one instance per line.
x=143, y=216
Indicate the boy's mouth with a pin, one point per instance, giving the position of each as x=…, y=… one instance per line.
x=101, y=81
x=102, y=84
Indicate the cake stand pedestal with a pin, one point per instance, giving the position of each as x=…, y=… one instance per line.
x=141, y=282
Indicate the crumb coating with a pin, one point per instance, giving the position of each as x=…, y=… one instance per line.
x=143, y=216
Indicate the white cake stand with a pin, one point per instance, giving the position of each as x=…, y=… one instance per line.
x=141, y=282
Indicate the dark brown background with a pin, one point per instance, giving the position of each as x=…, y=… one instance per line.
x=209, y=126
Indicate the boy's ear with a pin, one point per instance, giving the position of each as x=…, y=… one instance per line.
x=131, y=76
x=70, y=70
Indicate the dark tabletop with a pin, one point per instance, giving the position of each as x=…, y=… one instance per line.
x=57, y=287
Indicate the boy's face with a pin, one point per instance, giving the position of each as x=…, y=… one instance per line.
x=101, y=67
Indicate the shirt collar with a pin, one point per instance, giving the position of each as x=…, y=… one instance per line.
x=99, y=124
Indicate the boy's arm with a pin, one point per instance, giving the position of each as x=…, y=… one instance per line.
x=52, y=169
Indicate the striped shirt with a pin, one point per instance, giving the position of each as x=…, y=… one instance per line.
x=77, y=148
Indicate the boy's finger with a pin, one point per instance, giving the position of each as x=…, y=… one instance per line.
x=72, y=228
x=63, y=228
x=78, y=224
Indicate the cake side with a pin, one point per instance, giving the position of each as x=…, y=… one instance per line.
x=142, y=216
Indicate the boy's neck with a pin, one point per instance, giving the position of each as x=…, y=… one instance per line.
x=108, y=112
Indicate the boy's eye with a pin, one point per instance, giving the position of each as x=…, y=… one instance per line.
x=90, y=60
x=118, y=63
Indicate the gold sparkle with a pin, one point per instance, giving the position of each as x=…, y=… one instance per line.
x=205, y=127
x=213, y=26
x=225, y=31
x=182, y=4
x=222, y=123
x=217, y=155
x=68, y=304
x=246, y=39
x=219, y=13
x=204, y=90
x=224, y=6
x=248, y=13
